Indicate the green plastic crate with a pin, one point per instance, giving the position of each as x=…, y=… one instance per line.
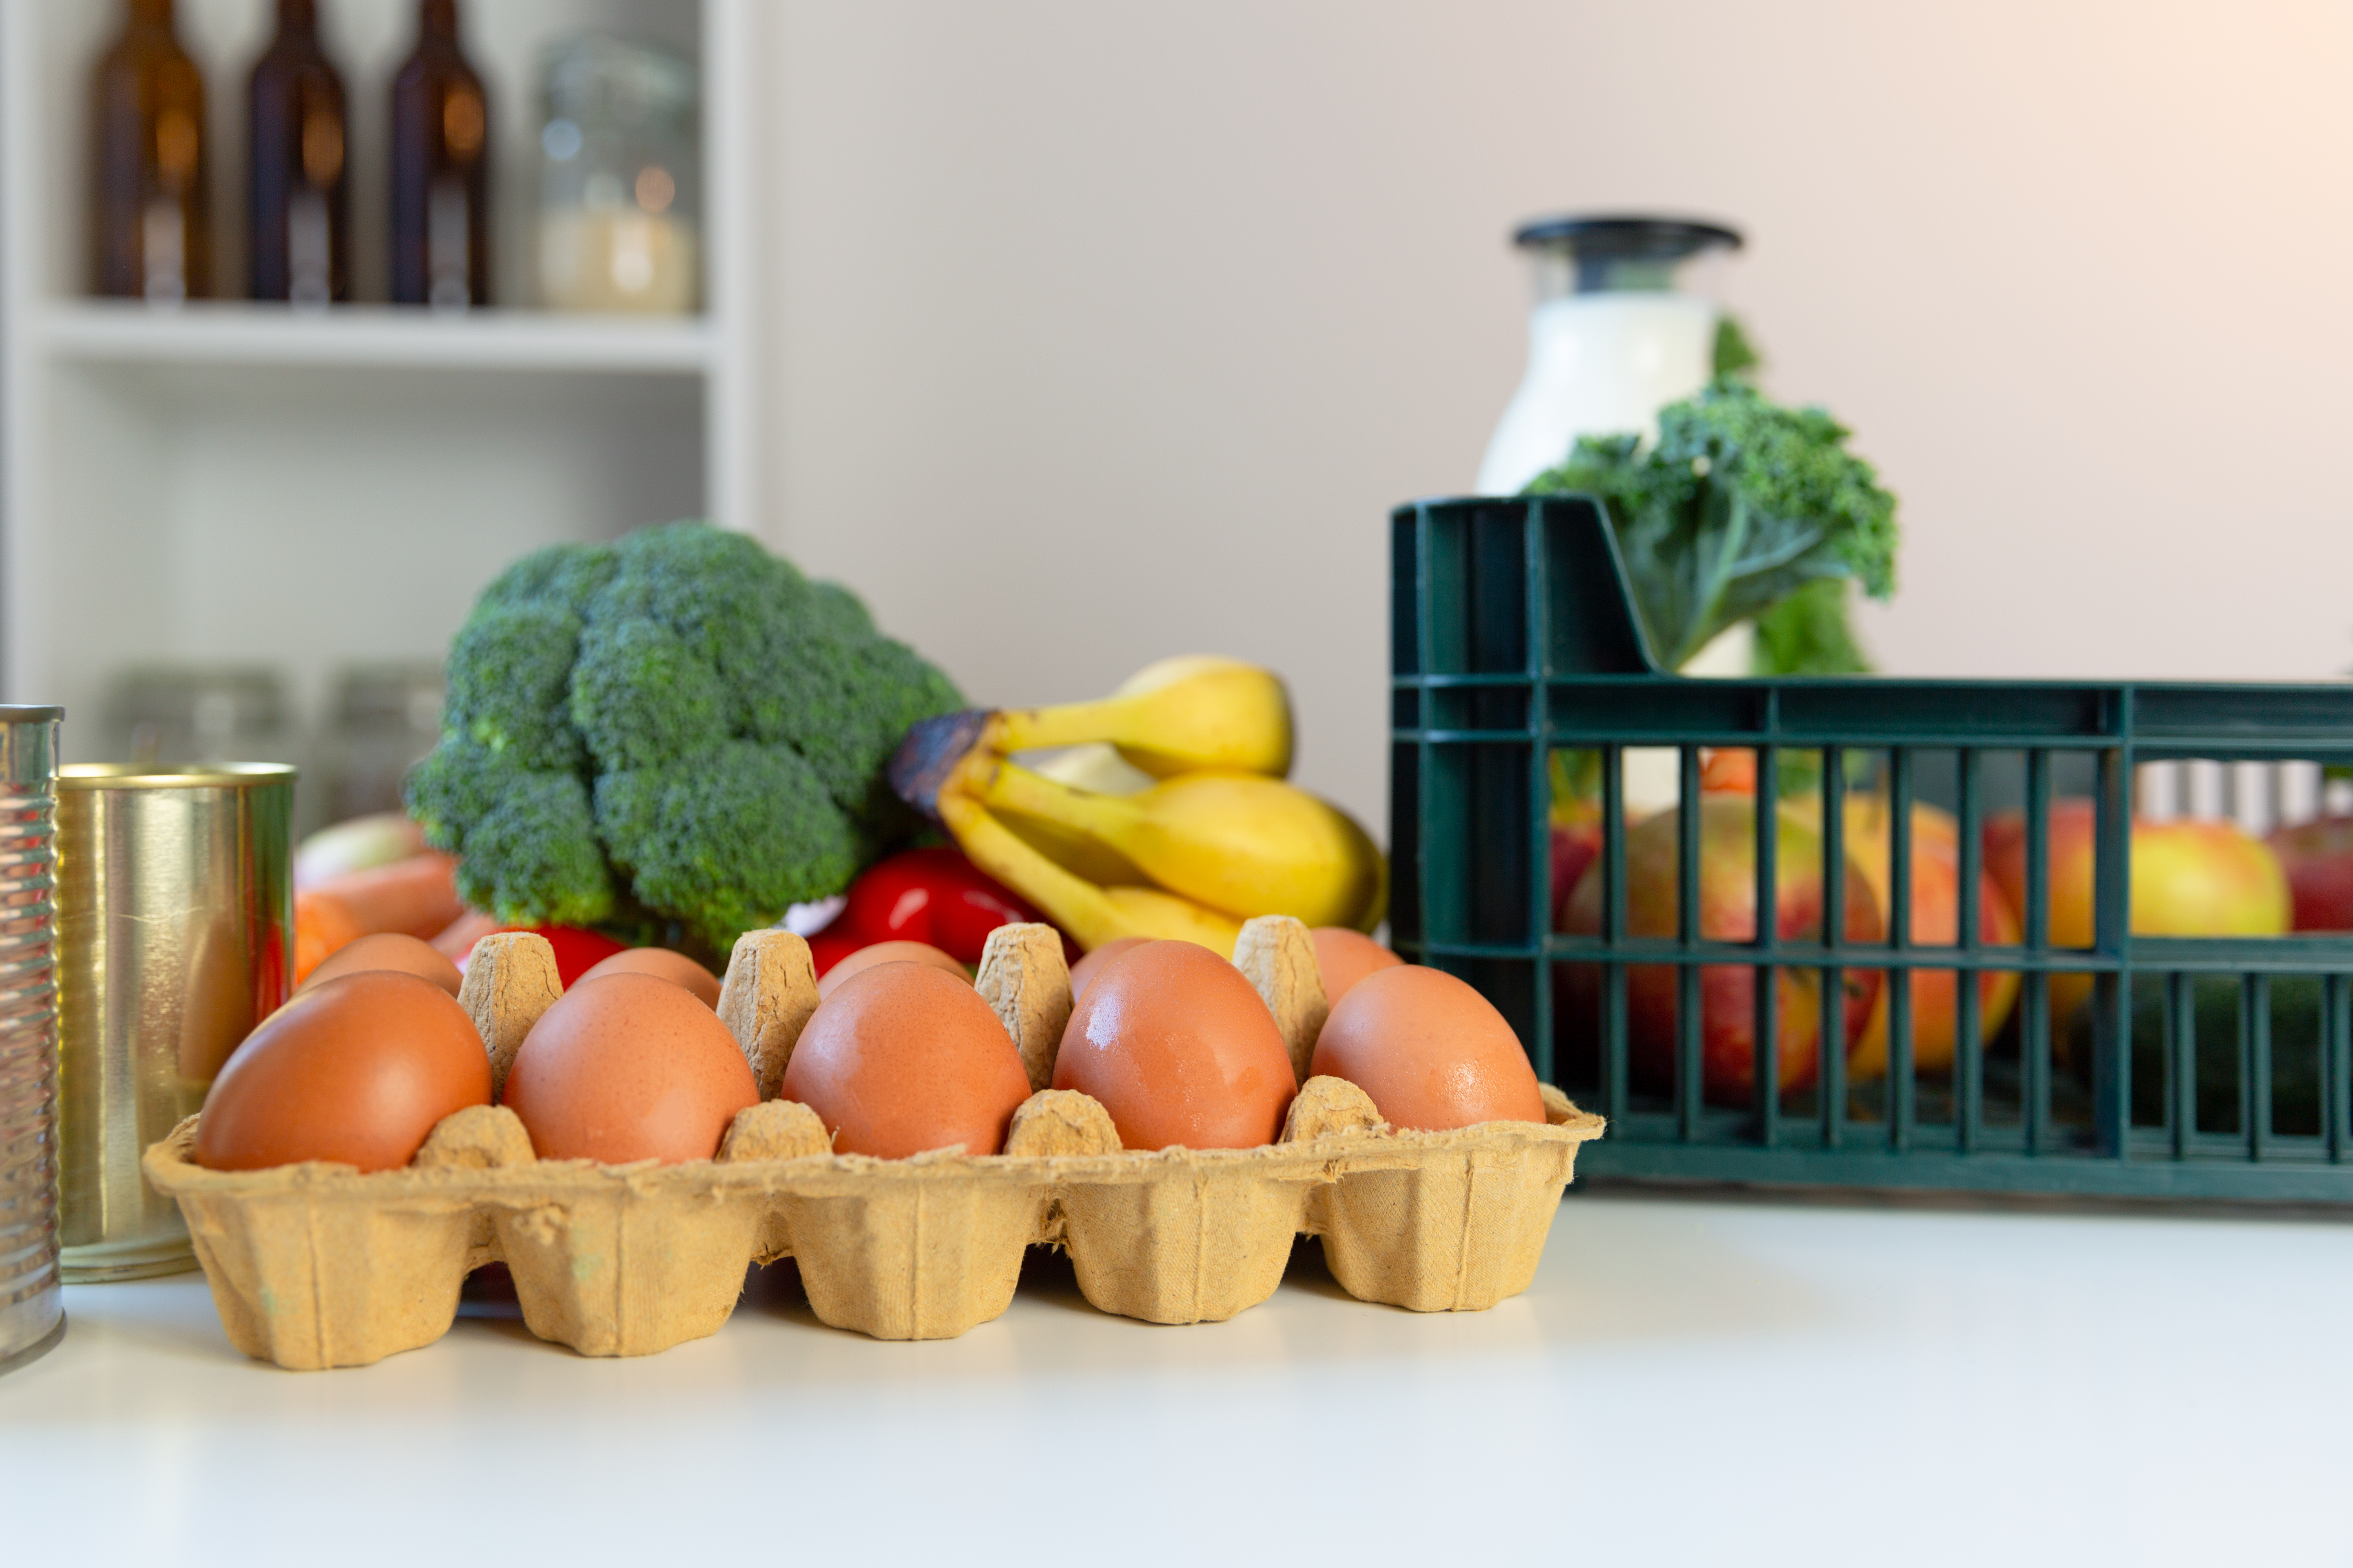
x=2206, y=1069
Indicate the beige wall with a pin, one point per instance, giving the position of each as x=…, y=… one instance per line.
x=1105, y=331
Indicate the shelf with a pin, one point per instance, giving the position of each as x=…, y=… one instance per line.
x=365, y=336
x=239, y=482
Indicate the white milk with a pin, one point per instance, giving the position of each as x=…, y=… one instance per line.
x=1599, y=364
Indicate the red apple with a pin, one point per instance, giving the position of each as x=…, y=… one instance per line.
x=2205, y=878
x=2069, y=900
x=1573, y=846
x=2317, y=858
x=1935, y=919
x=2189, y=879
x=1727, y=913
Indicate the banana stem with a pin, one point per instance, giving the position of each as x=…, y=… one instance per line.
x=1065, y=724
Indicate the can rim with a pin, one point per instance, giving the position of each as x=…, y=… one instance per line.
x=170, y=775
x=30, y=713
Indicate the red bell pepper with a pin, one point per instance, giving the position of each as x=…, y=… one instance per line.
x=934, y=896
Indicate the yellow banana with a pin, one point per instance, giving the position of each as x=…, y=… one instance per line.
x=1092, y=915
x=1096, y=766
x=1239, y=843
x=1100, y=770
x=1173, y=717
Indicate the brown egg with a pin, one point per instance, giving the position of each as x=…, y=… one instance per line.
x=662, y=964
x=356, y=1069
x=1180, y=1049
x=1347, y=956
x=628, y=1067
x=866, y=958
x=388, y=950
x=1093, y=964
x=1432, y=1052
x=903, y=1059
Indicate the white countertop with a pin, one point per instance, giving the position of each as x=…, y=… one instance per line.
x=1687, y=1383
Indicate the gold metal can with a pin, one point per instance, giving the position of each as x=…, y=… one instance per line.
x=175, y=936
x=32, y=1310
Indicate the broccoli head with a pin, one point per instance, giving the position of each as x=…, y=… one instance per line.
x=678, y=725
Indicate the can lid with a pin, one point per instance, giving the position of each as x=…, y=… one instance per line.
x=30, y=713
x=1625, y=234
x=171, y=775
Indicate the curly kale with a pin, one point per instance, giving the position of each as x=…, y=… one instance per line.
x=678, y=727
x=1739, y=504
x=1808, y=634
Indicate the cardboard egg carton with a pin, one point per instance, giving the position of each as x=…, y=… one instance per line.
x=317, y=1265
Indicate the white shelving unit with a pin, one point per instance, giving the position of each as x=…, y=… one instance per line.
x=233, y=482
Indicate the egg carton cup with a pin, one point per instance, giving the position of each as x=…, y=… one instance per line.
x=319, y=1265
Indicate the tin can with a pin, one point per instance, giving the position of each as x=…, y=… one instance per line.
x=175, y=937
x=31, y=1310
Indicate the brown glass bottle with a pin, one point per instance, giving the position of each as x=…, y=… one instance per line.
x=441, y=171
x=151, y=216
x=298, y=216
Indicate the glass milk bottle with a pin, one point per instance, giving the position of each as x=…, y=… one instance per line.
x=1620, y=329
x=1623, y=325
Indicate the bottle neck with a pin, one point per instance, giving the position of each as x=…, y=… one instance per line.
x=298, y=18
x=438, y=18
x=152, y=13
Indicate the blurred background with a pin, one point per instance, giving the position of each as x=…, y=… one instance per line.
x=1071, y=336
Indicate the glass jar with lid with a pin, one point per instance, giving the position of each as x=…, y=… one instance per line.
x=1624, y=324
x=621, y=186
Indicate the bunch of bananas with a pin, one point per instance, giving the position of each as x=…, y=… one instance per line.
x=1212, y=838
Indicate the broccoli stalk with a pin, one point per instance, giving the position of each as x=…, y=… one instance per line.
x=678, y=727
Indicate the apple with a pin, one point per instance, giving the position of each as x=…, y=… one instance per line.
x=1576, y=842
x=2317, y=859
x=2069, y=900
x=2189, y=878
x=1936, y=921
x=2206, y=878
x=1727, y=913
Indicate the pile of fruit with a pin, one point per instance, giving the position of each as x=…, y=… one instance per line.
x=2189, y=878
x=1212, y=836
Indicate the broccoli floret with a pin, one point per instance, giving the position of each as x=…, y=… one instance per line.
x=509, y=683
x=526, y=839
x=1739, y=504
x=839, y=614
x=564, y=575
x=721, y=593
x=728, y=839
x=678, y=726
x=456, y=784
x=640, y=698
x=848, y=732
x=535, y=857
